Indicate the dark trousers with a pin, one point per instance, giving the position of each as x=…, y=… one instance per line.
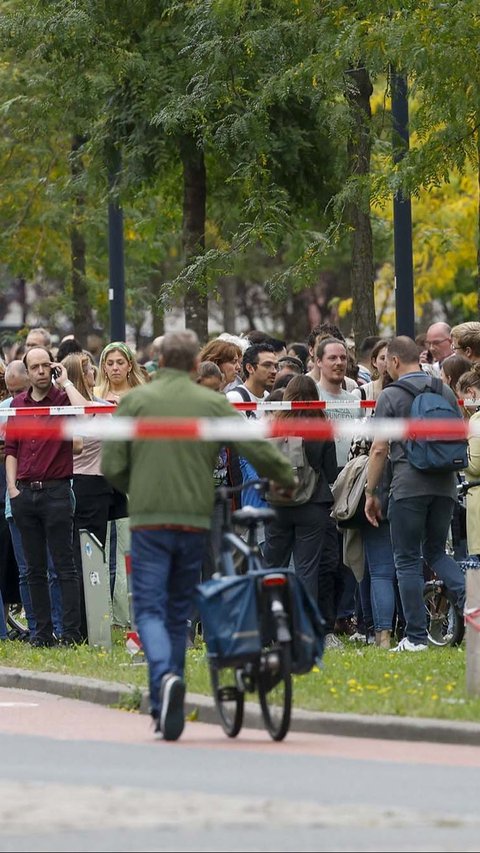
x=92, y=505
x=45, y=517
x=309, y=534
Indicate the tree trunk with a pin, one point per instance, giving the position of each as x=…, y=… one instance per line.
x=359, y=152
x=229, y=292
x=194, y=213
x=82, y=312
x=478, y=216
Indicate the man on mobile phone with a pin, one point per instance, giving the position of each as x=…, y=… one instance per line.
x=38, y=472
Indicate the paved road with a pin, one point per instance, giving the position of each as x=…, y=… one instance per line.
x=82, y=777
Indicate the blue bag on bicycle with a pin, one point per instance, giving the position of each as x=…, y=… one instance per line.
x=308, y=629
x=228, y=612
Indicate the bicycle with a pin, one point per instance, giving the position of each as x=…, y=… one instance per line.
x=252, y=631
x=445, y=622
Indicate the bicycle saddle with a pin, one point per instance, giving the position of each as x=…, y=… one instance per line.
x=249, y=516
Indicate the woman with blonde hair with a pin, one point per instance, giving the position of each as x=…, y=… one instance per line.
x=119, y=371
x=93, y=493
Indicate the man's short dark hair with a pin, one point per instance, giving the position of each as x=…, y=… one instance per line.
x=258, y=337
x=250, y=356
x=404, y=348
x=329, y=330
x=367, y=345
x=323, y=344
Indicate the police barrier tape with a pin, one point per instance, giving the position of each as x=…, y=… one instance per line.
x=274, y=406
x=239, y=429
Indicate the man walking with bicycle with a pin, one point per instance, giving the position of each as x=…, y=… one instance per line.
x=171, y=494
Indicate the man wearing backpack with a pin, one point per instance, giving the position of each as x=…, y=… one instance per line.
x=423, y=489
x=260, y=365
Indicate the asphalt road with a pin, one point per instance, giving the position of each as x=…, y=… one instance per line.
x=84, y=777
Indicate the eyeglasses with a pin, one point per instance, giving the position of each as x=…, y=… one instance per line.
x=455, y=348
x=429, y=344
x=270, y=365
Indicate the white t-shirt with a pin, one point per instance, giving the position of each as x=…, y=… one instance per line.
x=342, y=444
x=235, y=397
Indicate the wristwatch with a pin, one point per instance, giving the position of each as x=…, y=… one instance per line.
x=370, y=492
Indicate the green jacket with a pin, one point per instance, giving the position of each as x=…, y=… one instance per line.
x=171, y=482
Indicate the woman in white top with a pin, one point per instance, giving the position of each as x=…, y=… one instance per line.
x=371, y=390
x=92, y=491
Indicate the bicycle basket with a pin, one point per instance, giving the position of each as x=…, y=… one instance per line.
x=228, y=610
x=308, y=629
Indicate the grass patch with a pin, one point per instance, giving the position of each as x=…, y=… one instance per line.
x=362, y=680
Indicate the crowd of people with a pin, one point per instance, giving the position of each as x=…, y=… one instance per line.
x=368, y=586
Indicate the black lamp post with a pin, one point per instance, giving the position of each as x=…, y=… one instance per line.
x=116, y=291
x=402, y=214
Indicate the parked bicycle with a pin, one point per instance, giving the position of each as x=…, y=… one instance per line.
x=259, y=626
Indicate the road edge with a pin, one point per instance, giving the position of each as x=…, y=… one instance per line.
x=202, y=708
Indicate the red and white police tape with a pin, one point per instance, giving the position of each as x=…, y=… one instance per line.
x=274, y=406
x=238, y=429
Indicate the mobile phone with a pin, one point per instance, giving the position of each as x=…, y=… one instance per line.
x=56, y=372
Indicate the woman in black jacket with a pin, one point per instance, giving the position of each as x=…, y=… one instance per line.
x=306, y=531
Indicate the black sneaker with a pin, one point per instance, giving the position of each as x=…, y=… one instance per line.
x=43, y=642
x=172, y=695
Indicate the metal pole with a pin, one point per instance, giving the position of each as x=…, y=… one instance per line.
x=116, y=292
x=402, y=214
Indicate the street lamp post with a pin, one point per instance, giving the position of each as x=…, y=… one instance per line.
x=116, y=264
x=402, y=214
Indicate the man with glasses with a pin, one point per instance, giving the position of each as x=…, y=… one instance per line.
x=439, y=341
x=260, y=365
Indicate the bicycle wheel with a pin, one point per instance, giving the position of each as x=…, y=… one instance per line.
x=445, y=625
x=16, y=622
x=229, y=700
x=274, y=685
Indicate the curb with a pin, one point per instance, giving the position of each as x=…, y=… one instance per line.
x=307, y=722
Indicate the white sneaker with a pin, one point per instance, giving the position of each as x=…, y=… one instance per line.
x=357, y=637
x=406, y=646
x=332, y=642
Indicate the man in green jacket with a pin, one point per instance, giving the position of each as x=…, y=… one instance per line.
x=171, y=493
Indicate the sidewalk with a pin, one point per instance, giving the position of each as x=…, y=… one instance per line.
x=342, y=725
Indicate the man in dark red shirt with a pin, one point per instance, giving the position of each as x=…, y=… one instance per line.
x=39, y=472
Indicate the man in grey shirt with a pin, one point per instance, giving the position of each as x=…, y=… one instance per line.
x=421, y=502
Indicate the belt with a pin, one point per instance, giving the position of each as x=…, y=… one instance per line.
x=38, y=485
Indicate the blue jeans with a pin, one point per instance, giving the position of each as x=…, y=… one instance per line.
x=53, y=584
x=166, y=566
x=381, y=566
x=419, y=529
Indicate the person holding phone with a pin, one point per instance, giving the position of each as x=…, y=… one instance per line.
x=38, y=473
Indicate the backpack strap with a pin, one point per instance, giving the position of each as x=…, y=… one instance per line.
x=432, y=383
x=244, y=394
